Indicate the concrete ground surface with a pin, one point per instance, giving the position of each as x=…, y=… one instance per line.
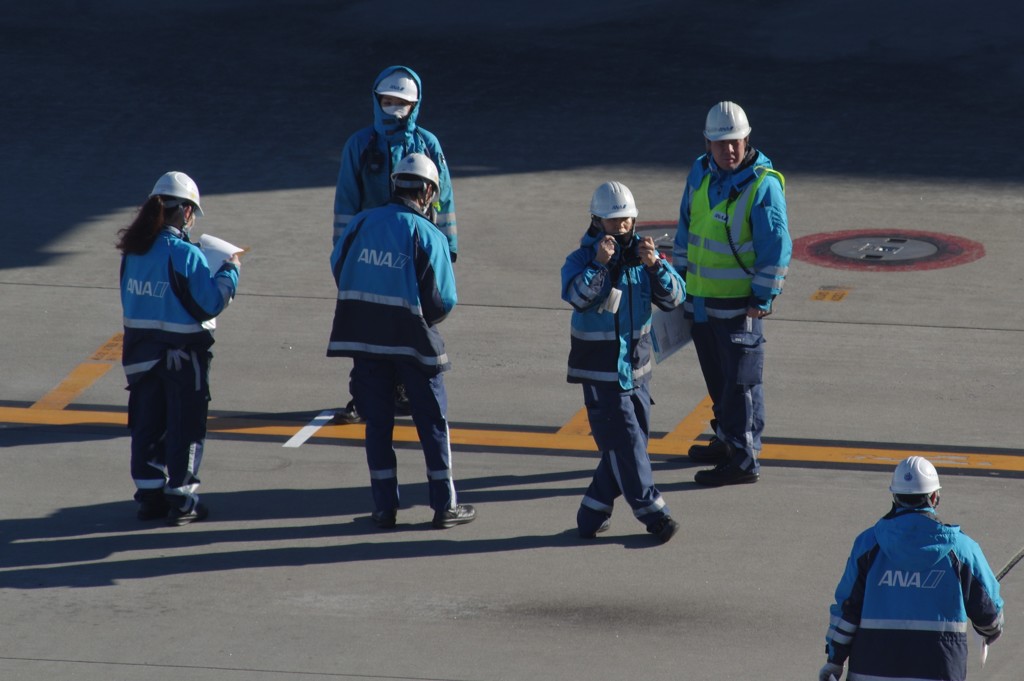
x=880, y=116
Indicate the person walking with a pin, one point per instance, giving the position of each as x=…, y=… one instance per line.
x=733, y=247
x=911, y=586
x=395, y=285
x=368, y=159
x=612, y=281
x=169, y=297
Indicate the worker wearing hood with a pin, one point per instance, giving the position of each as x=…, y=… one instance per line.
x=371, y=154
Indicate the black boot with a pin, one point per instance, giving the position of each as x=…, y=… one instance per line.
x=714, y=452
x=152, y=504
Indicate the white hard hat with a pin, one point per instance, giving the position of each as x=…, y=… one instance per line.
x=613, y=200
x=914, y=475
x=178, y=185
x=399, y=84
x=417, y=165
x=726, y=121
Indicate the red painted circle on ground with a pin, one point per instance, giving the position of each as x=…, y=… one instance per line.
x=952, y=251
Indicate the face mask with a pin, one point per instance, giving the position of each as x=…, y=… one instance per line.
x=397, y=111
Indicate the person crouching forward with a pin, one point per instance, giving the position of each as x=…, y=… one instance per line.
x=611, y=281
x=395, y=285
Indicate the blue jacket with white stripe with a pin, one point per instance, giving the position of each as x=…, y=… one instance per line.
x=166, y=296
x=395, y=284
x=912, y=586
x=614, y=348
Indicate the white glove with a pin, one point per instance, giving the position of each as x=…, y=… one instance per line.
x=830, y=672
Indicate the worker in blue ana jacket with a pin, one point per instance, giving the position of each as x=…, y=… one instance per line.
x=370, y=156
x=912, y=587
x=395, y=285
x=612, y=280
x=170, y=298
x=733, y=248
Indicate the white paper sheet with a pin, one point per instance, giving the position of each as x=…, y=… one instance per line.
x=669, y=331
x=218, y=250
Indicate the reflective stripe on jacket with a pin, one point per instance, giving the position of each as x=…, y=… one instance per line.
x=167, y=294
x=395, y=284
x=614, y=347
x=911, y=589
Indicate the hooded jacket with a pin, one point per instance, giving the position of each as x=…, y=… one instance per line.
x=614, y=348
x=911, y=587
x=370, y=155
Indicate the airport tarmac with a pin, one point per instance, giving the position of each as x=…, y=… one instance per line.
x=904, y=125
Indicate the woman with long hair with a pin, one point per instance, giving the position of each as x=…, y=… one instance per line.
x=169, y=297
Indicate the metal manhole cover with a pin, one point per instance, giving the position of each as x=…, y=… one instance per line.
x=886, y=250
x=883, y=248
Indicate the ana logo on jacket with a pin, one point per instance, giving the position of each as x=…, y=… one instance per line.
x=899, y=578
x=383, y=258
x=147, y=288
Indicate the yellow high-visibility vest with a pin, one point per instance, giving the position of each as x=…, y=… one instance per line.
x=714, y=268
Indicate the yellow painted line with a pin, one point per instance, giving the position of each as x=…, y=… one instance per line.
x=579, y=424
x=573, y=436
x=403, y=433
x=61, y=417
x=83, y=376
x=109, y=351
x=685, y=434
x=80, y=378
x=890, y=457
x=680, y=438
x=554, y=442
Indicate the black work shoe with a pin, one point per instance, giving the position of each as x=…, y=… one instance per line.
x=715, y=452
x=664, y=529
x=402, y=407
x=152, y=504
x=726, y=473
x=603, y=528
x=385, y=520
x=177, y=517
x=460, y=515
x=349, y=414
x=153, y=509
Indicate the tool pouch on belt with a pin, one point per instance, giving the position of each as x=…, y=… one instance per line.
x=750, y=346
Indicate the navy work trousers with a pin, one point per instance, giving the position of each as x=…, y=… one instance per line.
x=620, y=423
x=731, y=356
x=373, y=389
x=167, y=411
